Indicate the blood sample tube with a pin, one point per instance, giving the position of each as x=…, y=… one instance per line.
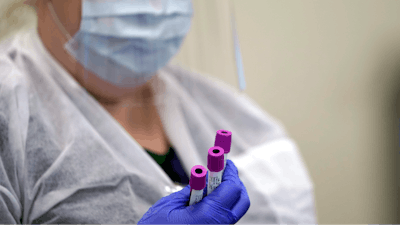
x=197, y=183
x=215, y=164
x=223, y=139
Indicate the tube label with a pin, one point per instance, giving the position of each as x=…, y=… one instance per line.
x=214, y=180
x=196, y=196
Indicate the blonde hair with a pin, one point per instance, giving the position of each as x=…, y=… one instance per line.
x=15, y=16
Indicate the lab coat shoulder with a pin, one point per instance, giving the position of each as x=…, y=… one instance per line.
x=14, y=114
x=226, y=108
x=14, y=82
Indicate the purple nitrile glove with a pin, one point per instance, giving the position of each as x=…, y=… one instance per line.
x=225, y=205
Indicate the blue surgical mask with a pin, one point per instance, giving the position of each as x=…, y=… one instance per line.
x=126, y=42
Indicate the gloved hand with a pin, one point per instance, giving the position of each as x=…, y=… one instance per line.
x=225, y=205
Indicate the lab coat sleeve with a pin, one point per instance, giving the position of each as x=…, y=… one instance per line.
x=279, y=187
x=12, y=101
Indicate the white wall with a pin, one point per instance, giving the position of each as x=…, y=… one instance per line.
x=330, y=71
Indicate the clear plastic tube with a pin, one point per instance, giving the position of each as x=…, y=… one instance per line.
x=225, y=158
x=196, y=196
x=214, y=180
x=223, y=139
x=215, y=164
x=197, y=183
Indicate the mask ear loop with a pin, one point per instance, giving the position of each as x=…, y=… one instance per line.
x=57, y=20
x=238, y=54
x=68, y=37
x=62, y=29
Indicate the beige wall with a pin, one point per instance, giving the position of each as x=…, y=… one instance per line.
x=330, y=71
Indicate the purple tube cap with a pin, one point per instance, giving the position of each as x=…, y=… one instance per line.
x=198, y=177
x=215, y=159
x=223, y=139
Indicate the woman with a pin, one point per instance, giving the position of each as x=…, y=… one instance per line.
x=82, y=134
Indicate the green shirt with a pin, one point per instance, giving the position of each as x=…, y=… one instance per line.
x=170, y=163
x=160, y=159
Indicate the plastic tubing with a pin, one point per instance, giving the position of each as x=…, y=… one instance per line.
x=215, y=164
x=197, y=183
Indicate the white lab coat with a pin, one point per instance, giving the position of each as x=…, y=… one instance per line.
x=64, y=159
